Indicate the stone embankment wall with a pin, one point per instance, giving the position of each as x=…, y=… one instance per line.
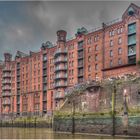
x=27, y=122
x=98, y=124
x=113, y=107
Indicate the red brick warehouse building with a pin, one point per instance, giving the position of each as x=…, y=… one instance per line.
x=35, y=83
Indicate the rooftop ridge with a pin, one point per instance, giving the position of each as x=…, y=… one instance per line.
x=113, y=21
x=109, y=23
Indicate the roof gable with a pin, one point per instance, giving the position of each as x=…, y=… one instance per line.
x=132, y=11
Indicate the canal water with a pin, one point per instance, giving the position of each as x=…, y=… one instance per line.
x=43, y=133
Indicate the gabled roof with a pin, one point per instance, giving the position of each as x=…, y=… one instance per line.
x=133, y=6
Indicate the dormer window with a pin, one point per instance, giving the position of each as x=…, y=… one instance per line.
x=131, y=11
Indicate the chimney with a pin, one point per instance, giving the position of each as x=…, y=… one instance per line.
x=61, y=36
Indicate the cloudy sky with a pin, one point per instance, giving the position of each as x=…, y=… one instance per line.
x=25, y=25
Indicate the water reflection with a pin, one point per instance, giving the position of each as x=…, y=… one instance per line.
x=41, y=133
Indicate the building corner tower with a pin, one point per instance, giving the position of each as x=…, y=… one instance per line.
x=60, y=61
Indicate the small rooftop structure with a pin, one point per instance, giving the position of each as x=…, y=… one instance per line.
x=20, y=54
x=46, y=45
x=81, y=30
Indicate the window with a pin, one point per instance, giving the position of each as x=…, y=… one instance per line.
x=96, y=48
x=110, y=33
x=38, y=87
x=89, y=59
x=80, y=80
x=111, y=63
x=119, y=61
x=96, y=67
x=89, y=49
x=80, y=62
x=38, y=72
x=111, y=43
x=80, y=44
x=89, y=76
x=80, y=71
x=96, y=57
x=113, y=32
x=89, y=40
x=132, y=59
x=72, y=72
x=132, y=28
x=51, y=77
x=72, y=63
x=96, y=76
x=69, y=72
x=119, y=40
x=69, y=55
x=38, y=65
x=80, y=54
x=51, y=61
x=89, y=68
x=111, y=53
x=70, y=80
x=72, y=55
x=51, y=69
x=71, y=47
x=132, y=39
x=62, y=38
x=118, y=30
x=95, y=38
x=132, y=50
x=119, y=50
x=121, y=29
x=34, y=87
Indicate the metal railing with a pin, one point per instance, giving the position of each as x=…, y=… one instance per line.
x=60, y=60
x=61, y=76
x=59, y=51
x=61, y=68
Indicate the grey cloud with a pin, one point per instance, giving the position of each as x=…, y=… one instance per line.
x=32, y=23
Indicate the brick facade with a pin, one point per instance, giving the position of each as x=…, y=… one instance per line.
x=35, y=83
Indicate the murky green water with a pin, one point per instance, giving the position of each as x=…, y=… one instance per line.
x=42, y=133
